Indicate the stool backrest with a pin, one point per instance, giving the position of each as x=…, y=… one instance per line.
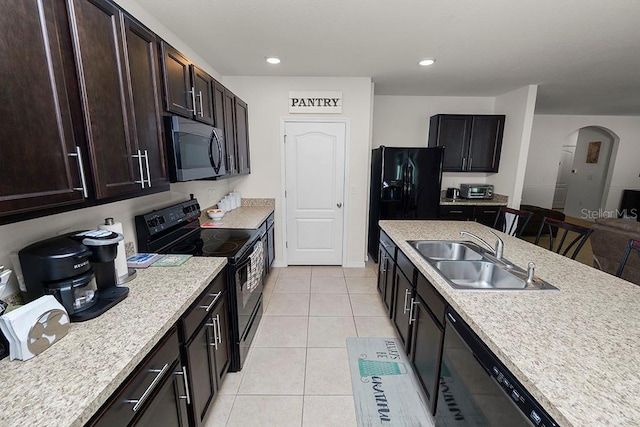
x=553, y=227
x=633, y=244
x=513, y=226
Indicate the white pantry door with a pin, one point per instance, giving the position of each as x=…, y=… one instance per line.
x=314, y=192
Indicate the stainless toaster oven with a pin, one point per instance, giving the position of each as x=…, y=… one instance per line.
x=476, y=191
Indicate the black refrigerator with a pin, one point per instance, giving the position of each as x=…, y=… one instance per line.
x=405, y=184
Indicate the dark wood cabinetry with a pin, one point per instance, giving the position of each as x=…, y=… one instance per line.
x=484, y=214
x=269, y=242
x=112, y=85
x=242, y=136
x=42, y=156
x=231, y=145
x=403, y=298
x=386, y=271
x=472, y=142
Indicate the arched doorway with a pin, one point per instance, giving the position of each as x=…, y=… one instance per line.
x=584, y=174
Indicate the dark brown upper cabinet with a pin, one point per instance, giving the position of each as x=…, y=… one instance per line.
x=229, y=103
x=188, y=90
x=113, y=84
x=42, y=154
x=242, y=136
x=472, y=142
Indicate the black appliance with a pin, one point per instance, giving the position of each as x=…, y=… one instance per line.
x=195, y=150
x=176, y=230
x=405, y=184
x=78, y=269
x=476, y=389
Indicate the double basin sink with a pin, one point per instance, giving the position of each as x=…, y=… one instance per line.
x=465, y=265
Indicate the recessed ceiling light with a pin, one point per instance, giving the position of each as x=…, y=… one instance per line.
x=426, y=61
x=273, y=60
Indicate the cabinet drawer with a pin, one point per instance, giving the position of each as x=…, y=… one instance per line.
x=203, y=305
x=387, y=244
x=432, y=298
x=406, y=266
x=136, y=391
x=486, y=214
x=459, y=213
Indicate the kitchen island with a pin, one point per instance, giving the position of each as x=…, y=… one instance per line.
x=70, y=381
x=576, y=350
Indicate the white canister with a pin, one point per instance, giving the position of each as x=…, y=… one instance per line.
x=237, y=198
x=232, y=201
x=121, y=258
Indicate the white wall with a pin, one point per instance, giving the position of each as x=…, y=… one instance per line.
x=403, y=121
x=550, y=133
x=586, y=183
x=518, y=106
x=267, y=98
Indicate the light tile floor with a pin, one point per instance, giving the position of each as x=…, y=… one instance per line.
x=297, y=373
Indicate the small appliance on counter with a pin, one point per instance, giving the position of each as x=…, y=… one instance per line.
x=78, y=269
x=453, y=193
x=476, y=191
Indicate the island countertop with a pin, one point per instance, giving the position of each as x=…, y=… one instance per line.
x=71, y=380
x=576, y=350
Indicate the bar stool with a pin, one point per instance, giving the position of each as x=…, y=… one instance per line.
x=518, y=222
x=633, y=244
x=553, y=226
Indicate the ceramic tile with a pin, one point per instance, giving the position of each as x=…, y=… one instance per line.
x=219, y=411
x=282, y=331
x=295, y=271
x=342, y=412
x=330, y=305
x=330, y=331
x=361, y=272
x=328, y=285
x=266, y=411
x=327, y=372
x=292, y=285
x=231, y=383
x=362, y=285
x=327, y=271
x=367, y=305
x=278, y=371
x=288, y=305
x=374, y=327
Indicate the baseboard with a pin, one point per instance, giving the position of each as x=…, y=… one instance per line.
x=356, y=264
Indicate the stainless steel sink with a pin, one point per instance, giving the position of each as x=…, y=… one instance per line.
x=446, y=250
x=478, y=275
x=465, y=265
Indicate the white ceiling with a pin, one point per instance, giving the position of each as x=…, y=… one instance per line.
x=583, y=54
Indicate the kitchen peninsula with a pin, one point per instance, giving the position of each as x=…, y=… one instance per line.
x=576, y=350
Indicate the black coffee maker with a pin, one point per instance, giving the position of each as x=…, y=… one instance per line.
x=78, y=269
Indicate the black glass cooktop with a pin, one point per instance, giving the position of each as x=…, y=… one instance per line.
x=213, y=242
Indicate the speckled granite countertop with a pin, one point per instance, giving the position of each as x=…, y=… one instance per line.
x=251, y=214
x=69, y=382
x=497, y=200
x=576, y=350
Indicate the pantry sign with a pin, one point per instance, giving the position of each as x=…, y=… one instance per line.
x=315, y=102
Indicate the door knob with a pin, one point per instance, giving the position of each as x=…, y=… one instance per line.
x=339, y=205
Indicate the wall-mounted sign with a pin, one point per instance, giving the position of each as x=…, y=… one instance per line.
x=315, y=102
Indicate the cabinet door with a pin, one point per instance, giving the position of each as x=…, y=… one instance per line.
x=222, y=351
x=218, y=105
x=230, y=132
x=486, y=143
x=99, y=54
x=271, y=245
x=201, y=371
x=382, y=271
x=203, y=87
x=39, y=167
x=144, y=80
x=426, y=351
x=402, y=306
x=456, y=213
x=169, y=406
x=486, y=214
x=242, y=136
x=178, y=97
x=453, y=133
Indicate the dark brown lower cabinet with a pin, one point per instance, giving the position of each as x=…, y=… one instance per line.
x=402, y=306
x=386, y=272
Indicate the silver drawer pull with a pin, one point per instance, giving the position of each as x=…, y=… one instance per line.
x=216, y=296
x=406, y=296
x=215, y=332
x=186, y=384
x=218, y=335
x=78, y=156
x=139, y=402
x=455, y=212
x=413, y=303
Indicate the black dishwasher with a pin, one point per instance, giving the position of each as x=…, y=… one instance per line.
x=476, y=389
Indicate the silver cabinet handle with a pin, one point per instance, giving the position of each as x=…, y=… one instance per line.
x=406, y=296
x=193, y=101
x=78, y=156
x=139, y=402
x=139, y=157
x=464, y=162
x=186, y=384
x=201, y=109
x=215, y=298
x=413, y=303
x=218, y=335
x=470, y=162
x=146, y=160
x=453, y=319
x=215, y=332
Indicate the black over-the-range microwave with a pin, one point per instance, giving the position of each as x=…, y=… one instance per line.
x=194, y=150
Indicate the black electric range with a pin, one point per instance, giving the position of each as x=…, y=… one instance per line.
x=176, y=230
